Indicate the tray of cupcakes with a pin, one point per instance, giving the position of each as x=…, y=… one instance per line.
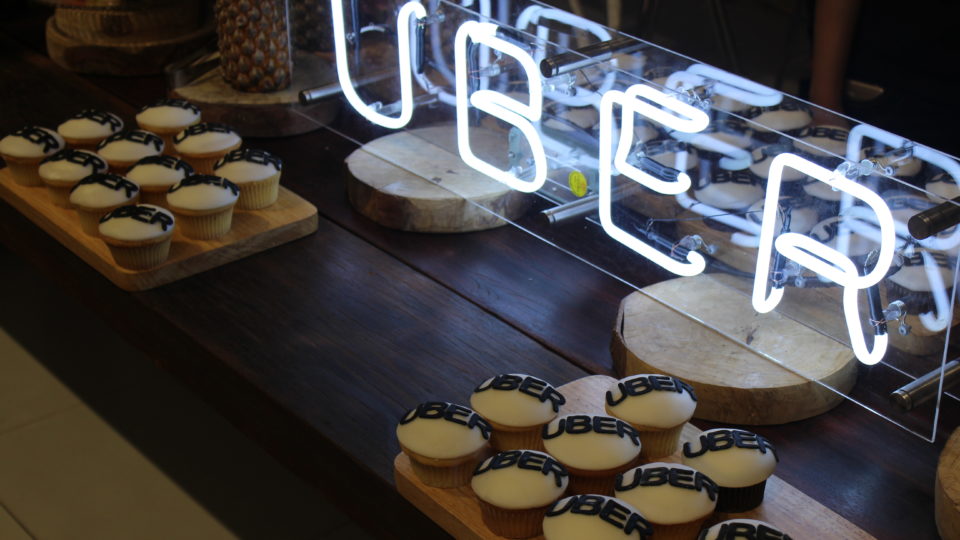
x=147, y=206
x=596, y=458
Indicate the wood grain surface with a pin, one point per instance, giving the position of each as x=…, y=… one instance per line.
x=947, y=494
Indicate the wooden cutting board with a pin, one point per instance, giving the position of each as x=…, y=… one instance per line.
x=458, y=512
x=252, y=231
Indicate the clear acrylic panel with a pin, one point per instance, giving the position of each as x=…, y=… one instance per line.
x=648, y=164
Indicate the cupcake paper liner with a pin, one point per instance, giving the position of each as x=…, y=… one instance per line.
x=445, y=473
x=141, y=257
x=508, y=523
x=658, y=442
x=206, y=227
x=583, y=482
x=259, y=194
x=503, y=438
x=60, y=195
x=154, y=197
x=679, y=531
x=24, y=171
x=740, y=499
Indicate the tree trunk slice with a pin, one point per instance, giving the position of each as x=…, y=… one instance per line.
x=129, y=24
x=658, y=330
x=265, y=114
x=947, y=490
x=457, y=510
x=432, y=189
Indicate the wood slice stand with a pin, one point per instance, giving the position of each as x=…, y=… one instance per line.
x=664, y=329
x=267, y=114
x=458, y=512
x=415, y=181
x=252, y=231
x=947, y=490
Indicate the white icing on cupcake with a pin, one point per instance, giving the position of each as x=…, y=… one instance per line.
x=159, y=171
x=516, y=400
x=763, y=158
x=912, y=276
x=442, y=430
x=70, y=165
x=136, y=223
x=103, y=190
x=824, y=141
x=206, y=137
x=130, y=146
x=785, y=117
x=729, y=190
x=168, y=113
x=31, y=142
x=90, y=124
x=738, y=529
x=942, y=185
x=731, y=457
x=591, y=442
x=594, y=517
x=651, y=400
x=668, y=493
x=202, y=192
x=519, y=479
x=248, y=165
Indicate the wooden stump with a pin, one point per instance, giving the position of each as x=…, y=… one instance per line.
x=415, y=181
x=947, y=490
x=659, y=330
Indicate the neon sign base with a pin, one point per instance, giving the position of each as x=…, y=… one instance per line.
x=404, y=197
x=733, y=383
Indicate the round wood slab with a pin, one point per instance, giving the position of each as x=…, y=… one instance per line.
x=432, y=189
x=947, y=492
x=661, y=332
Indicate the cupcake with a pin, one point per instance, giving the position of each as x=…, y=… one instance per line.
x=724, y=142
x=88, y=127
x=738, y=461
x=122, y=149
x=257, y=172
x=596, y=517
x=769, y=123
x=823, y=145
x=728, y=190
x=201, y=145
x=666, y=158
x=517, y=407
x=657, y=406
x=593, y=448
x=98, y=194
x=942, y=185
x=515, y=488
x=926, y=303
x=675, y=498
x=63, y=170
x=25, y=148
x=203, y=205
x=138, y=236
x=156, y=175
x=167, y=117
x=738, y=529
x=444, y=442
x=763, y=156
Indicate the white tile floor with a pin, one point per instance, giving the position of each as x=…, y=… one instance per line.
x=126, y=453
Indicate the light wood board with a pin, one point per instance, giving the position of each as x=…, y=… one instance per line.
x=947, y=490
x=252, y=231
x=708, y=334
x=458, y=512
x=415, y=181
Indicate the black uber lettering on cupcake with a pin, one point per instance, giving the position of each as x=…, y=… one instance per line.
x=137, y=135
x=723, y=439
x=529, y=385
x=204, y=127
x=38, y=136
x=100, y=117
x=84, y=159
x=450, y=412
x=208, y=179
x=675, y=476
x=576, y=424
x=609, y=510
x=525, y=459
x=251, y=155
x=739, y=530
x=170, y=102
x=640, y=385
x=143, y=214
x=109, y=180
x=169, y=162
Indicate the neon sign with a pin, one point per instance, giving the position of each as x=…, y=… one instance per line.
x=684, y=120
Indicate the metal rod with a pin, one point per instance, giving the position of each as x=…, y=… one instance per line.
x=310, y=96
x=597, y=52
x=582, y=206
x=934, y=220
x=921, y=390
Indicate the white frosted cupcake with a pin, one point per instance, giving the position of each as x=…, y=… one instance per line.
x=788, y=117
x=63, y=170
x=825, y=146
x=167, y=117
x=256, y=172
x=675, y=498
x=517, y=406
x=88, y=127
x=201, y=145
x=593, y=448
x=738, y=461
x=657, y=406
x=515, y=488
x=729, y=190
x=595, y=517
x=123, y=149
x=444, y=442
x=156, y=175
x=736, y=529
x=138, y=236
x=203, y=205
x=25, y=148
x=98, y=194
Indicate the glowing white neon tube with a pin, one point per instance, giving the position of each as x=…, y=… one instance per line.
x=726, y=84
x=695, y=262
x=751, y=239
x=690, y=119
x=937, y=320
x=404, y=56
x=520, y=115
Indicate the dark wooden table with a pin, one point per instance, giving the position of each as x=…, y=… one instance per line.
x=316, y=347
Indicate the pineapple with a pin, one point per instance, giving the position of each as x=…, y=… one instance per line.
x=254, y=44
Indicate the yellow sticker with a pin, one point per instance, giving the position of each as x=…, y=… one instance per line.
x=578, y=183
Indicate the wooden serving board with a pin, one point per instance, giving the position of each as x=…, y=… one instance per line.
x=947, y=489
x=458, y=512
x=291, y=217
